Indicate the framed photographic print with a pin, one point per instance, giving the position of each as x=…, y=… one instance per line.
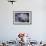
x=22, y=17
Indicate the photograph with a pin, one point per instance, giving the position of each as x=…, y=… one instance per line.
x=22, y=17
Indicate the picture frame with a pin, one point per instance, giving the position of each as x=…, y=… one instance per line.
x=22, y=17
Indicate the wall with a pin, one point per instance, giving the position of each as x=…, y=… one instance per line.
x=9, y=31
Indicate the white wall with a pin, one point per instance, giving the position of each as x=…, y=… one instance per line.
x=9, y=31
